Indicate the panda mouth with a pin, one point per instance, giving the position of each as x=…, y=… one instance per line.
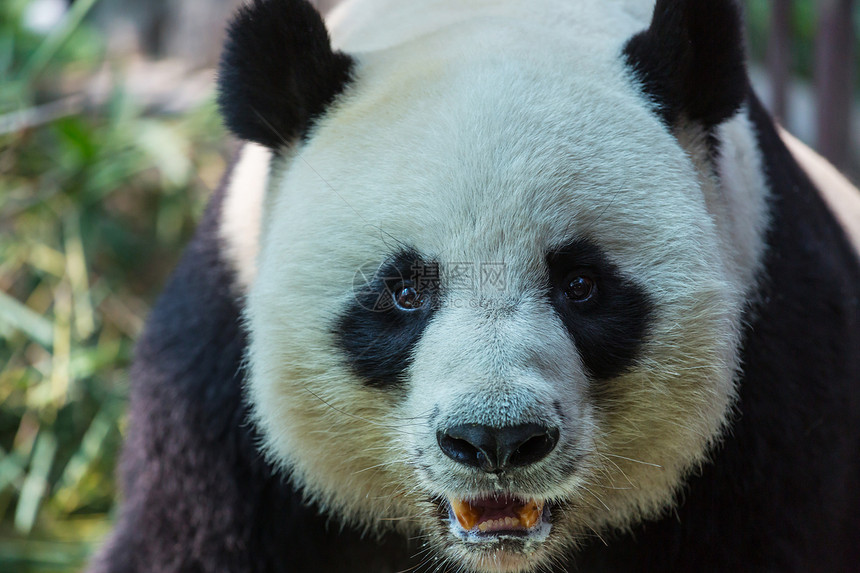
x=493, y=517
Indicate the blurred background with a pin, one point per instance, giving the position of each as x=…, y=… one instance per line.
x=110, y=145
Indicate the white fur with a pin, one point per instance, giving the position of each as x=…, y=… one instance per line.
x=495, y=133
x=242, y=211
x=738, y=204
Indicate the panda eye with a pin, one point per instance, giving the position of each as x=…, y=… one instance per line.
x=407, y=297
x=580, y=288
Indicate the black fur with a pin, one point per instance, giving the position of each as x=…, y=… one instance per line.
x=781, y=494
x=691, y=60
x=376, y=336
x=278, y=72
x=609, y=328
x=199, y=497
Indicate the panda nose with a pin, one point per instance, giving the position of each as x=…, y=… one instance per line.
x=497, y=449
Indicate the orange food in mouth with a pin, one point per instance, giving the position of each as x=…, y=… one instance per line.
x=497, y=514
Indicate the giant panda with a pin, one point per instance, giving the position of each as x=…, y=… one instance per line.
x=501, y=286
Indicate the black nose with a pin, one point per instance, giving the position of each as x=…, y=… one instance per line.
x=497, y=449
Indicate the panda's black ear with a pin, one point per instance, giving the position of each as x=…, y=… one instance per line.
x=278, y=72
x=691, y=60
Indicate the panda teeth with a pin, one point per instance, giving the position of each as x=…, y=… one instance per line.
x=527, y=514
x=501, y=523
x=530, y=513
x=467, y=515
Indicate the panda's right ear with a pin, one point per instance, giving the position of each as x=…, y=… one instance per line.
x=691, y=60
x=278, y=72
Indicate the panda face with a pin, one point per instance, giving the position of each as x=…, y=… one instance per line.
x=494, y=306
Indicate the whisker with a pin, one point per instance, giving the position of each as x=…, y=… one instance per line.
x=631, y=460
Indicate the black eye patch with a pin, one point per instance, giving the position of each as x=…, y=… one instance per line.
x=377, y=330
x=605, y=313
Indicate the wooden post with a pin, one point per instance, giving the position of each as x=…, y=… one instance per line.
x=779, y=57
x=834, y=57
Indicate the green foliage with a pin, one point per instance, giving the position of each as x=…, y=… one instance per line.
x=96, y=201
x=803, y=30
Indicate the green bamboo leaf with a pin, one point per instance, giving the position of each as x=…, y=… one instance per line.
x=46, y=259
x=36, y=482
x=11, y=468
x=77, y=271
x=18, y=316
x=90, y=447
x=55, y=40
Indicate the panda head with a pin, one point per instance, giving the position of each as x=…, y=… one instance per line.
x=502, y=267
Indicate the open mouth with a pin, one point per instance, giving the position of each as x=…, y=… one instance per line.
x=487, y=518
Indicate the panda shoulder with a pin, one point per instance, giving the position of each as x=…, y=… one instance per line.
x=840, y=195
